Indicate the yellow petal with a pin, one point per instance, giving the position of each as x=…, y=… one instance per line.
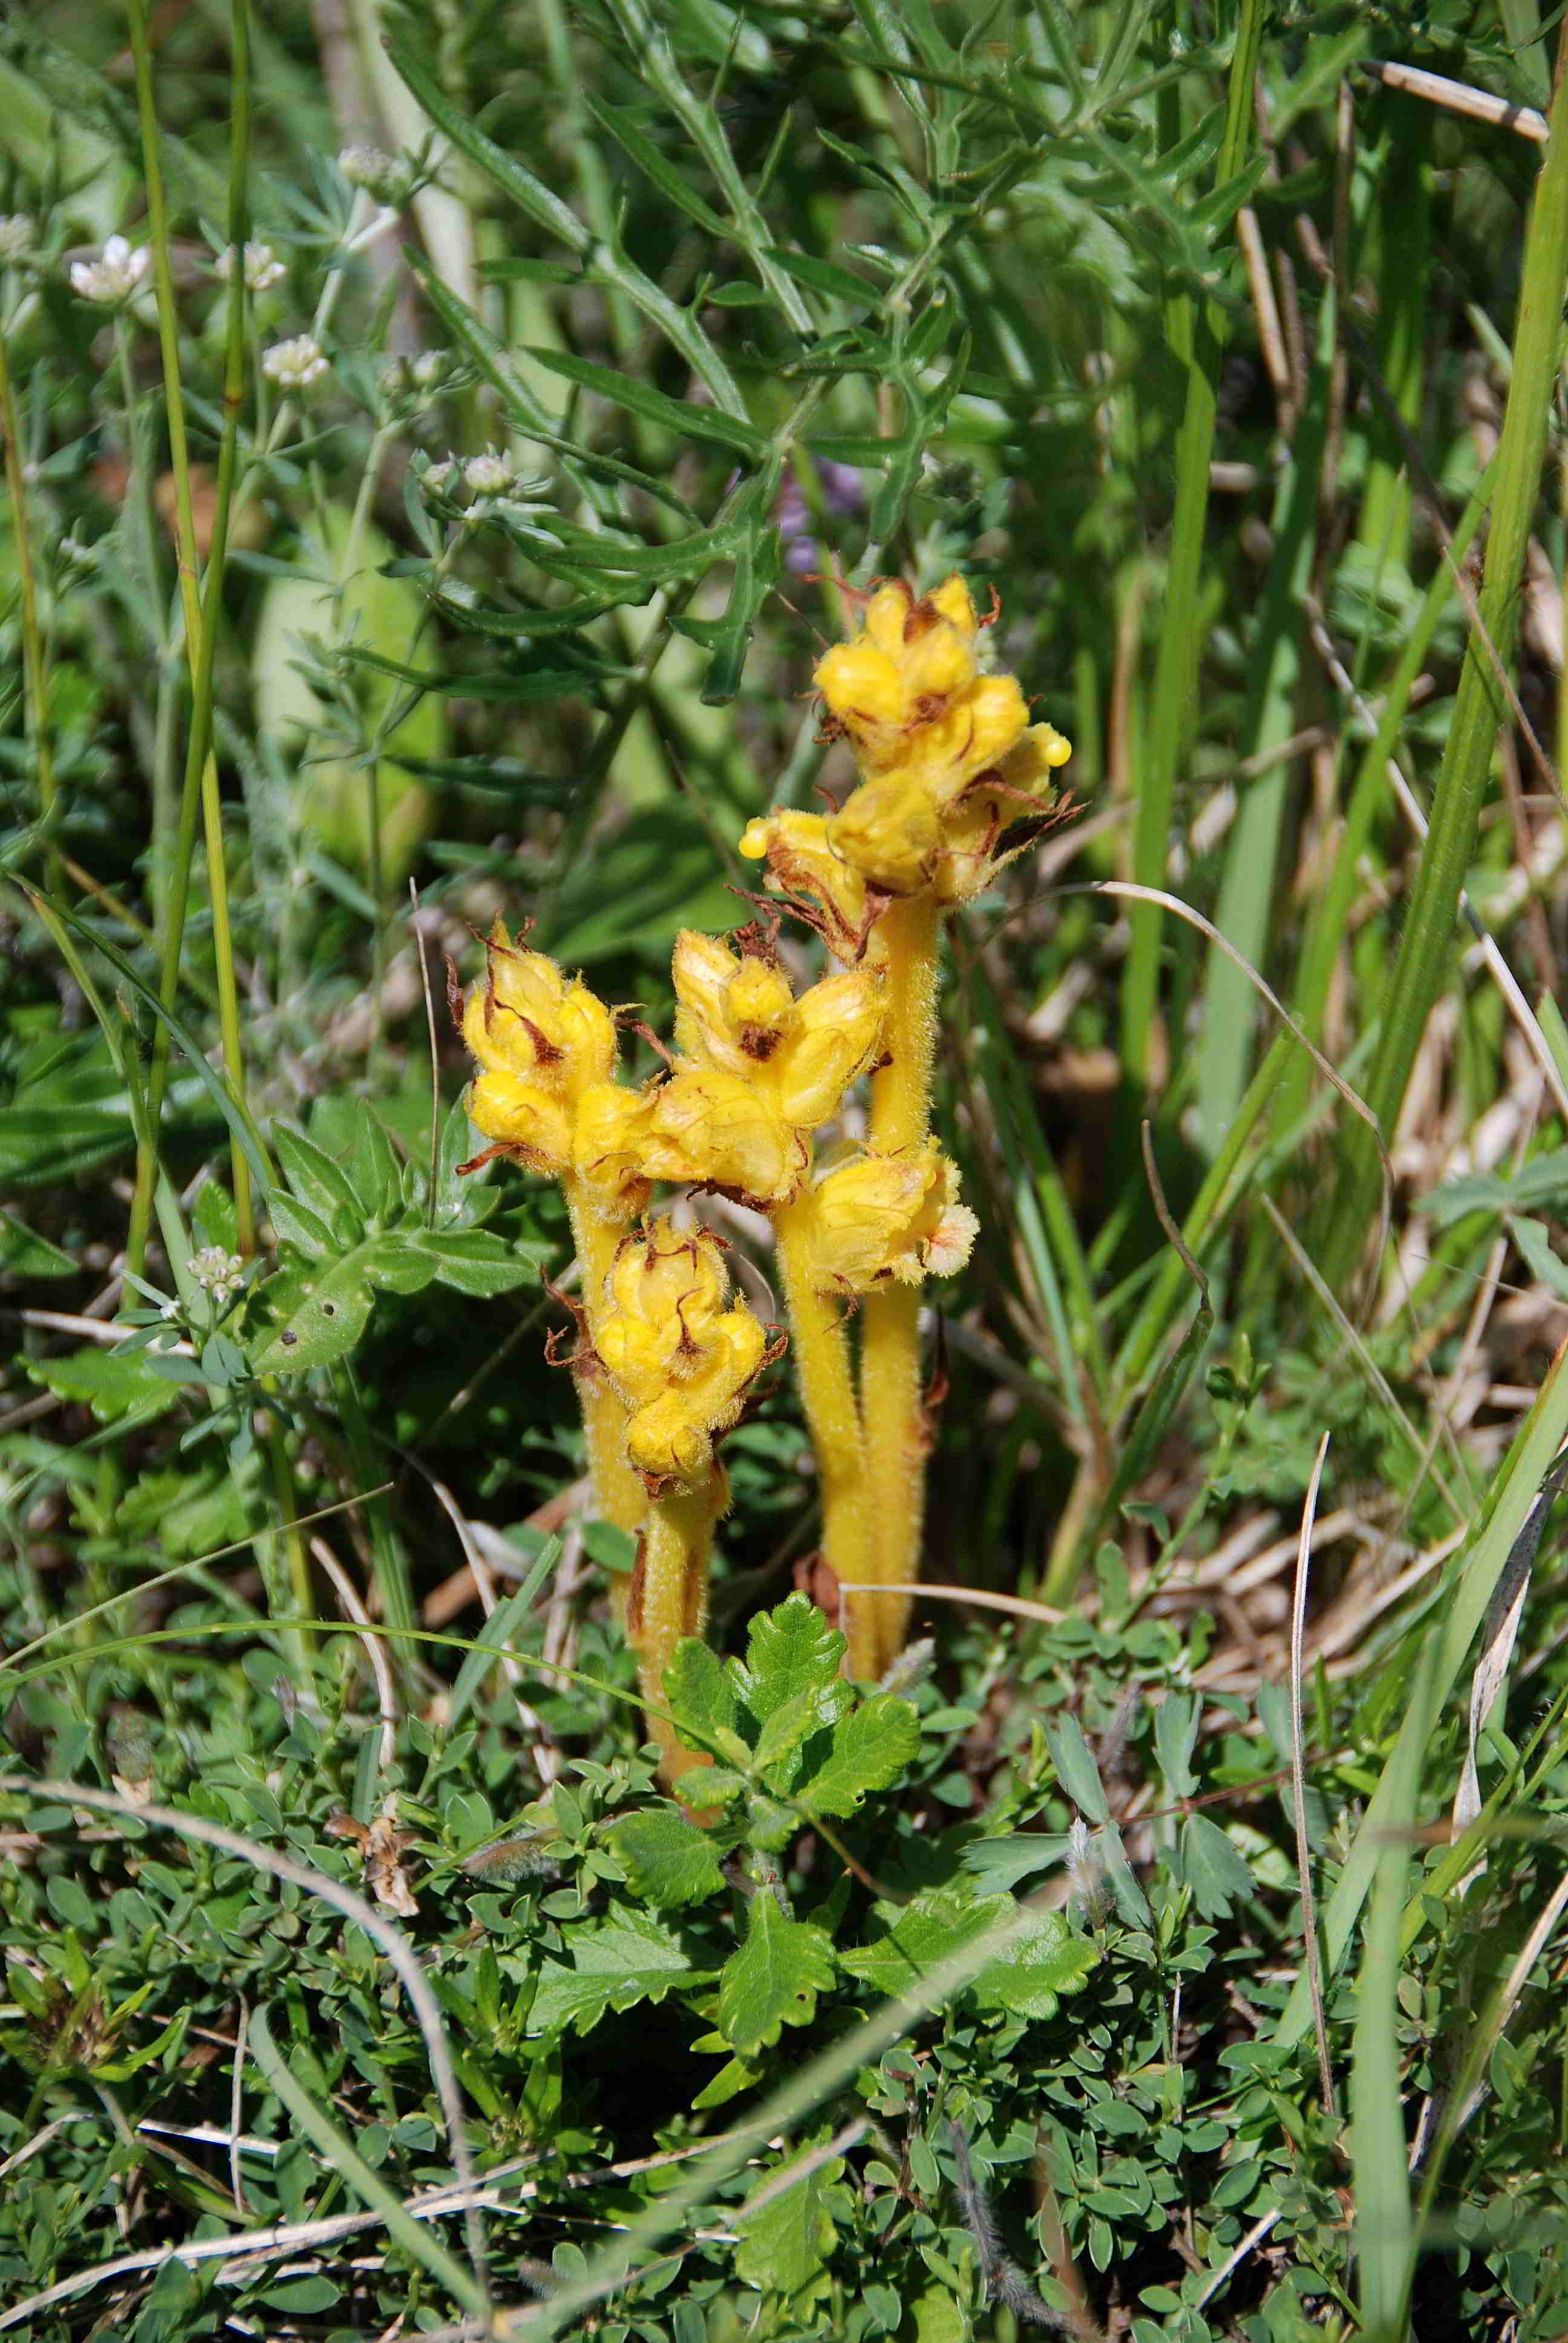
x=887, y=830
x=611, y=1132
x=837, y=1033
x=520, y=1114
x=715, y=1129
x=882, y=1217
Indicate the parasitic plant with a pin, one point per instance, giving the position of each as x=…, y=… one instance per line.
x=955, y=780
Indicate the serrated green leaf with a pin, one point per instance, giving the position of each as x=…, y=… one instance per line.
x=668, y=1860
x=773, y=1979
x=612, y=1964
x=784, y=2245
x=779, y=1742
x=698, y=1691
x=871, y=1748
x=789, y=1650
x=934, y=1927
x=111, y=1384
x=1041, y=1962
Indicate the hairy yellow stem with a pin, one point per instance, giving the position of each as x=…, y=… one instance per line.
x=820, y=1349
x=619, y=1494
x=907, y=942
x=669, y=1598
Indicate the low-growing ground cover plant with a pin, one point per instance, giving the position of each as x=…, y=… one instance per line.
x=779, y=1469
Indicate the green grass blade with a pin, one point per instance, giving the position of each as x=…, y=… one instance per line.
x=1426, y=945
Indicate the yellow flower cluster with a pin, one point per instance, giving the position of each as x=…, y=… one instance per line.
x=950, y=764
x=681, y=1360
x=950, y=771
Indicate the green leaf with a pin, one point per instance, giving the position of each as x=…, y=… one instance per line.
x=613, y=1965
x=296, y=1224
x=649, y=159
x=1042, y=1961
x=326, y=1320
x=825, y=276
x=1076, y=1769
x=774, y=1978
x=793, y=1650
x=668, y=1860
x=698, y=1691
x=1211, y=1868
x=313, y=1175
x=529, y=193
x=871, y=1748
x=669, y=414
x=1543, y=1263
x=111, y=1385
x=476, y=1262
x=784, y=2245
x=24, y=1253
x=506, y=1620
x=934, y=1927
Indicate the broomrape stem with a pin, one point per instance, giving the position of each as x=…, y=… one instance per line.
x=907, y=943
x=669, y=1598
x=820, y=1349
x=617, y=1489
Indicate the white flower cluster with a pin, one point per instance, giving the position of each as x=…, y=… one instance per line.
x=217, y=1273
x=262, y=266
x=18, y=233
x=296, y=364
x=114, y=276
x=380, y=174
x=492, y=474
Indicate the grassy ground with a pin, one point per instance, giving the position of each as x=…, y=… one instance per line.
x=1176, y=1947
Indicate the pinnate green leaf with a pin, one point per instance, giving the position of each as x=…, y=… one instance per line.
x=774, y=1978
x=668, y=1860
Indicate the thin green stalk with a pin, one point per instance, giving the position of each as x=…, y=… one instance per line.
x=1425, y=948
x=202, y=616
x=197, y=619
x=1196, y=332
x=33, y=665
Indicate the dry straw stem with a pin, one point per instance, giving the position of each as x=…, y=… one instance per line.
x=907, y=943
x=1423, y=964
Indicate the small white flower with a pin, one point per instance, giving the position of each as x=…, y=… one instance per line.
x=113, y=277
x=168, y=1310
x=428, y=369
x=439, y=475
x=262, y=266
x=18, y=232
x=217, y=1273
x=295, y=364
x=488, y=475
x=369, y=167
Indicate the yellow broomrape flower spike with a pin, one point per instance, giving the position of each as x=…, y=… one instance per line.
x=530, y=1020
x=713, y=1129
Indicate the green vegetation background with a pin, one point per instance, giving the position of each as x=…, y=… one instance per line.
x=1178, y=1954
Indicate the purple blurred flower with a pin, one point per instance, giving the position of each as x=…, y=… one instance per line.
x=841, y=493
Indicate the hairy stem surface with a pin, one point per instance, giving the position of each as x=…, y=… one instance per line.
x=668, y=1599
x=907, y=940
x=820, y=1349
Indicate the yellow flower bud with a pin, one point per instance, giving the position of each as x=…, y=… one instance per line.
x=900, y=671
x=530, y=1122
x=611, y=1132
x=882, y=1217
x=739, y=1015
x=527, y=1018
x=681, y=1363
x=668, y=1274
x=889, y=830
x=822, y=888
x=714, y=1130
